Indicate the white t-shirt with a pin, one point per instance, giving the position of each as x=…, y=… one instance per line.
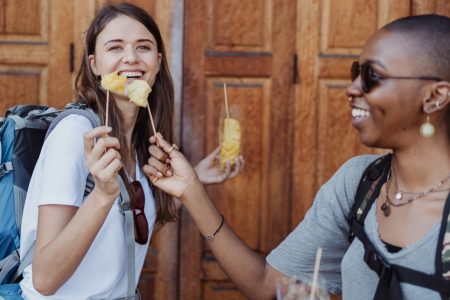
x=59, y=178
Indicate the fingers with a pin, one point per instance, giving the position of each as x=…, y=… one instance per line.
x=162, y=168
x=214, y=154
x=158, y=153
x=106, y=165
x=165, y=146
x=95, y=133
x=238, y=167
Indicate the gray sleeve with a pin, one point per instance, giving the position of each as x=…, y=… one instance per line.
x=325, y=225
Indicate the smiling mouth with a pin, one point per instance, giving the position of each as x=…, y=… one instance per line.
x=360, y=113
x=132, y=75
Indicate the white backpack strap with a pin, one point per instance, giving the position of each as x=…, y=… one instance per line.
x=8, y=263
x=129, y=236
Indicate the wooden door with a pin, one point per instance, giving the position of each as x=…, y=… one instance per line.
x=330, y=35
x=35, y=37
x=289, y=82
x=250, y=46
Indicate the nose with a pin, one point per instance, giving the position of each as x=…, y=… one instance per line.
x=130, y=56
x=354, y=88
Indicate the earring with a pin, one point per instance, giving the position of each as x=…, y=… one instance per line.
x=427, y=129
x=437, y=104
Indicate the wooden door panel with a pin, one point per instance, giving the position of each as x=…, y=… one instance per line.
x=441, y=7
x=243, y=195
x=34, y=52
x=249, y=45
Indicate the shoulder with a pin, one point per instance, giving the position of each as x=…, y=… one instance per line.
x=71, y=126
x=343, y=184
x=353, y=168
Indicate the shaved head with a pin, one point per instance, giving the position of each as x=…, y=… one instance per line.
x=430, y=37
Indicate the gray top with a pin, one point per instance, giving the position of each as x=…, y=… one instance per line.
x=342, y=265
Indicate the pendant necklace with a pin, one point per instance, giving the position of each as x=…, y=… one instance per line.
x=386, y=206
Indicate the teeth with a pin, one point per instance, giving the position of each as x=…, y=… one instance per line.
x=132, y=74
x=357, y=112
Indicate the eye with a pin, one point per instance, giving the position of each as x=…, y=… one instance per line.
x=115, y=48
x=144, y=48
x=373, y=74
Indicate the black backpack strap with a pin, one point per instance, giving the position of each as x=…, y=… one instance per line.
x=391, y=275
x=442, y=261
x=368, y=189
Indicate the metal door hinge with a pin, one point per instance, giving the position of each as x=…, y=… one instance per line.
x=295, y=78
x=71, y=57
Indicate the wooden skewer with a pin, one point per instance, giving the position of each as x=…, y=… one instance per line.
x=107, y=108
x=316, y=273
x=226, y=99
x=151, y=118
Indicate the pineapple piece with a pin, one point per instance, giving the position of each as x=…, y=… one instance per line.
x=231, y=144
x=114, y=82
x=138, y=91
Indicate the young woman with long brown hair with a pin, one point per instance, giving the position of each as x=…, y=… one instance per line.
x=80, y=249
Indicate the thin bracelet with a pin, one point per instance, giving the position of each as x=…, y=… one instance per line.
x=210, y=238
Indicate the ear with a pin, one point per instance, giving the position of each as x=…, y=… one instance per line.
x=93, y=65
x=159, y=61
x=438, y=98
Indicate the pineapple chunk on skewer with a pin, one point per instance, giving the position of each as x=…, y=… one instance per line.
x=114, y=82
x=138, y=92
x=231, y=144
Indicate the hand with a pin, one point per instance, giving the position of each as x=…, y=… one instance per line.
x=103, y=161
x=209, y=171
x=168, y=169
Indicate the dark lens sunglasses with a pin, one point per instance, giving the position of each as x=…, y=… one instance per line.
x=140, y=220
x=369, y=78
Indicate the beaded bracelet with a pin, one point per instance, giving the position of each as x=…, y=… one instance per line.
x=210, y=238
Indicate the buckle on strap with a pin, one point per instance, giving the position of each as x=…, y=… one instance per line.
x=378, y=264
x=5, y=168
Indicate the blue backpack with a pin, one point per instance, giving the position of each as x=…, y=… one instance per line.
x=22, y=134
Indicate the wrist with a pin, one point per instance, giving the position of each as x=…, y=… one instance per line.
x=104, y=199
x=193, y=190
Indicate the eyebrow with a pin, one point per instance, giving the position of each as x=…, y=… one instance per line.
x=375, y=62
x=120, y=40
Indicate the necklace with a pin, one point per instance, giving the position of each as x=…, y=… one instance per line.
x=386, y=206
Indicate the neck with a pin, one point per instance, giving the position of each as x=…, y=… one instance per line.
x=129, y=113
x=423, y=165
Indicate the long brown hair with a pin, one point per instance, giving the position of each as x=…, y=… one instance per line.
x=161, y=99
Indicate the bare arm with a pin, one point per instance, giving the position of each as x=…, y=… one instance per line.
x=246, y=268
x=65, y=233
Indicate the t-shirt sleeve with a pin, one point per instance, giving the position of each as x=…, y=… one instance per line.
x=325, y=225
x=64, y=169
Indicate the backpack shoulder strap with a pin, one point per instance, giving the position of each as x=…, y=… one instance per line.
x=369, y=185
x=77, y=109
x=442, y=262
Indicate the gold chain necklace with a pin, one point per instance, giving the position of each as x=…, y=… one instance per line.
x=386, y=206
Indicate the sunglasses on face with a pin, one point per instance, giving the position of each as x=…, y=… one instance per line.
x=369, y=78
x=140, y=220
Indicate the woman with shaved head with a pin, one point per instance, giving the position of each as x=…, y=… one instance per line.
x=383, y=231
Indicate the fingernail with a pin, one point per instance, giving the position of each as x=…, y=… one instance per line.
x=159, y=174
x=169, y=173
